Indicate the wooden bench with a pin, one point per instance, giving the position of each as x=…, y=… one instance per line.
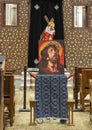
x=70, y=112
x=9, y=93
x=1, y=102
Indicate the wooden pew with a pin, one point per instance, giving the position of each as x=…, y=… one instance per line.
x=2, y=68
x=9, y=93
x=81, y=85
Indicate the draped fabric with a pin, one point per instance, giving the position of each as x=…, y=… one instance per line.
x=51, y=96
x=40, y=8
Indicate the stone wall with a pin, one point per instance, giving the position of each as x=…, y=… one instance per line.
x=78, y=41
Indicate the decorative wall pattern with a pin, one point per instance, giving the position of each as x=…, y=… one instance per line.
x=14, y=40
x=78, y=42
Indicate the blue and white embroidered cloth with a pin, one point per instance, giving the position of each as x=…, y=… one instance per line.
x=51, y=96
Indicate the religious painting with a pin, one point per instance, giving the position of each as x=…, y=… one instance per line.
x=51, y=57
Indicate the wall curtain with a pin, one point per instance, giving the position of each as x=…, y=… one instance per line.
x=40, y=8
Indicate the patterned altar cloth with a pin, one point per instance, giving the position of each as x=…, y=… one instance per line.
x=51, y=96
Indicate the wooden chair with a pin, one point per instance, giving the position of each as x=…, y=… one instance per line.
x=9, y=93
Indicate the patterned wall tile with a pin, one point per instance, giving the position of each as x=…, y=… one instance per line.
x=14, y=40
x=77, y=45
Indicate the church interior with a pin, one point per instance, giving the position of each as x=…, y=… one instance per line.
x=45, y=64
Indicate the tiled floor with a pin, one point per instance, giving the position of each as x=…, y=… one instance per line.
x=22, y=119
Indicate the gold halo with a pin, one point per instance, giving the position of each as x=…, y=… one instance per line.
x=43, y=44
